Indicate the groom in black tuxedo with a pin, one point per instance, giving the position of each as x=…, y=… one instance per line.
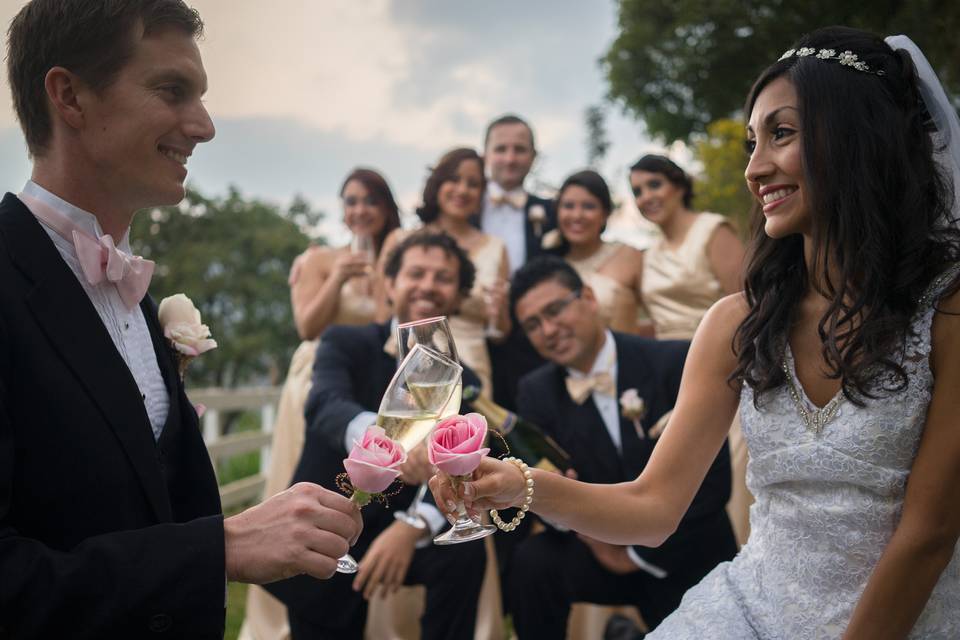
x=519, y=219
x=576, y=398
x=426, y=275
x=110, y=520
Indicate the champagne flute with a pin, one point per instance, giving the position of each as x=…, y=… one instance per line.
x=435, y=333
x=418, y=392
x=363, y=246
x=490, y=329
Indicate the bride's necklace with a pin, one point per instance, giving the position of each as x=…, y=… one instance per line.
x=817, y=419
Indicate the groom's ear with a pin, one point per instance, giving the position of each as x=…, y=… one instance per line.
x=66, y=95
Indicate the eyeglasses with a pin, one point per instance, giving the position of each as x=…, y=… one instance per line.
x=550, y=312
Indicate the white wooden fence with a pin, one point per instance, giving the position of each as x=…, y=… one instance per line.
x=218, y=402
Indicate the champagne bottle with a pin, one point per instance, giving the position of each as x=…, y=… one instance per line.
x=526, y=440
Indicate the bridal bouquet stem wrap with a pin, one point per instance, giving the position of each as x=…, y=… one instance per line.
x=373, y=464
x=183, y=327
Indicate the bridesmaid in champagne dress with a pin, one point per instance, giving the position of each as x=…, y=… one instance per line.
x=452, y=195
x=327, y=286
x=612, y=269
x=697, y=261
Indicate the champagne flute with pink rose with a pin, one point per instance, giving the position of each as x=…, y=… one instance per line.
x=456, y=448
x=412, y=404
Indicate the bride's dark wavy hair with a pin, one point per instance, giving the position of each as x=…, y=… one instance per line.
x=878, y=202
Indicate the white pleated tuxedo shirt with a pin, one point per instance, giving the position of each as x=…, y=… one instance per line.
x=127, y=327
x=506, y=222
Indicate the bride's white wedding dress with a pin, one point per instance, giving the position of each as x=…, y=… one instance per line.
x=826, y=505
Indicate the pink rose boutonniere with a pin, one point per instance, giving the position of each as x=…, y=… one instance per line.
x=456, y=445
x=182, y=326
x=373, y=465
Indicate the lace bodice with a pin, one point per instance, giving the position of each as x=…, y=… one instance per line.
x=826, y=507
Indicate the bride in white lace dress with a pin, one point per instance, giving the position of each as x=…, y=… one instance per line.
x=847, y=377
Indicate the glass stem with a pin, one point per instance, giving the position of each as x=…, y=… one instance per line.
x=414, y=507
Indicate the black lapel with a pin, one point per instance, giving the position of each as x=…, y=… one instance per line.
x=531, y=239
x=582, y=425
x=633, y=374
x=67, y=317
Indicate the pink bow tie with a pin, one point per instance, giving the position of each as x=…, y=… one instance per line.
x=516, y=199
x=100, y=259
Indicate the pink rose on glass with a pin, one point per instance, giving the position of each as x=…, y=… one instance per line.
x=456, y=448
x=373, y=464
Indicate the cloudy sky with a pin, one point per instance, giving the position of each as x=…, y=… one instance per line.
x=303, y=90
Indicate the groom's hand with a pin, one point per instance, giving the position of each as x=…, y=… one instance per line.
x=301, y=530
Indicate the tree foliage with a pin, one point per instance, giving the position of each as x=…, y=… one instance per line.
x=721, y=186
x=680, y=65
x=598, y=142
x=231, y=256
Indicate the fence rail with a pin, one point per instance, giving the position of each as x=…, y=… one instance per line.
x=220, y=402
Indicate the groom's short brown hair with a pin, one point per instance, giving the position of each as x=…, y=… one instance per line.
x=92, y=38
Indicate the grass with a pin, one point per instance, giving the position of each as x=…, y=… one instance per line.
x=228, y=470
x=236, y=605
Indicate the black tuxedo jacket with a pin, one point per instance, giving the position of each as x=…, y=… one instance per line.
x=104, y=533
x=350, y=373
x=653, y=368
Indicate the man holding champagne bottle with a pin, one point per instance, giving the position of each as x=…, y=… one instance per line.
x=425, y=277
x=598, y=397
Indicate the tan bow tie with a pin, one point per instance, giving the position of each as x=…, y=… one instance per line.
x=516, y=199
x=581, y=388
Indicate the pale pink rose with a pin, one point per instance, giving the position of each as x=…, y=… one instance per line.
x=183, y=327
x=373, y=462
x=456, y=445
x=190, y=339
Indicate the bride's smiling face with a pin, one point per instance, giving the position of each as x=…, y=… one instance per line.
x=775, y=171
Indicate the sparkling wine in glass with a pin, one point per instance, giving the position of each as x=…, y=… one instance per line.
x=434, y=333
x=420, y=389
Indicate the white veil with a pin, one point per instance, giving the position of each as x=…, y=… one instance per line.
x=946, y=140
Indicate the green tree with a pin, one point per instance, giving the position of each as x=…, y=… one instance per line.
x=680, y=65
x=231, y=256
x=598, y=143
x=721, y=186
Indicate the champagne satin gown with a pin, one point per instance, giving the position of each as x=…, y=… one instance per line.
x=678, y=289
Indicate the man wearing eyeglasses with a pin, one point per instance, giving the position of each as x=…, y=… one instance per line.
x=588, y=397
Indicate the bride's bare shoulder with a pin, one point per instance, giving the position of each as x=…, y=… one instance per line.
x=727, y=313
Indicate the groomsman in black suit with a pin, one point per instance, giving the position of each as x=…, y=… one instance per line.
x=519, y=219
x=110, y=519
x=576, y=398
x=426, y=275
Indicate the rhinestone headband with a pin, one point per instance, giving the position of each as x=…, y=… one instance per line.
x=846, y=58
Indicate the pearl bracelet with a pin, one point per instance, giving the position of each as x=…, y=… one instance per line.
x=521, y=514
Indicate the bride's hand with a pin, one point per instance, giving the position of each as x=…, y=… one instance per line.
x=495, y=485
